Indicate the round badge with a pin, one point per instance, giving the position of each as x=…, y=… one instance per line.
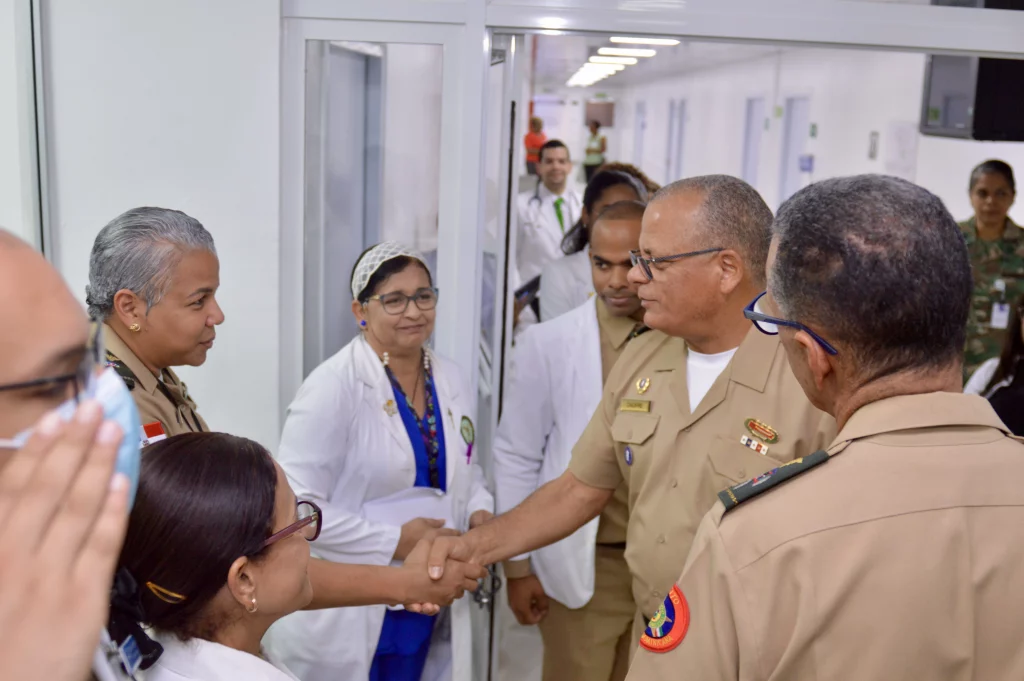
x=629, y=455
x=668, y=627
x=467, y=430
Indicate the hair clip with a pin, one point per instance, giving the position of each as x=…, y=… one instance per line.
x=165, y=595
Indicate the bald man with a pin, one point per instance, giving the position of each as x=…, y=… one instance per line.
x=62, y=521
x=692, y=408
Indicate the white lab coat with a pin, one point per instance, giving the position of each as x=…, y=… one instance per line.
x=565, y=284
x=199, y=660
x=554, y=389
x=341, y=447
x=539, y=235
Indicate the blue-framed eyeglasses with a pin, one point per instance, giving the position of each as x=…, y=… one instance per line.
x=769, y=325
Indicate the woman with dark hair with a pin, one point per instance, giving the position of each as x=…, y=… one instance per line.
x=381, y=435
x=217, y=550
x=996, y=247
x=1000, y=380
x=566, y=283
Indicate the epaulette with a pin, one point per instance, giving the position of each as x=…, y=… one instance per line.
x=736, y=495
x=124, y=372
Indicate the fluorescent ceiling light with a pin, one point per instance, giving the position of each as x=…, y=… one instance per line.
x=629, y=61
x=552, y=23
x=625, y=52
x=645, y=41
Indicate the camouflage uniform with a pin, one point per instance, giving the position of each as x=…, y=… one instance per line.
x=991, y=261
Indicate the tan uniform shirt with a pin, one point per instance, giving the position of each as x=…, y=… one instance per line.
x=899, y=557
x=165, y=401
x=675, y=462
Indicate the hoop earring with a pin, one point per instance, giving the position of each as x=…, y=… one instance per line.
x=135, y=328
x=254, y=607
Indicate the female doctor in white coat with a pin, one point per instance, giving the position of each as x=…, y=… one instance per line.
x=381, y=437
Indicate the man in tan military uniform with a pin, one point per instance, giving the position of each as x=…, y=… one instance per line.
x=901, y=558
x=163, y=400
x=704, y=243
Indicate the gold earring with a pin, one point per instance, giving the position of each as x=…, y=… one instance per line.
x=254, y=607
x=135, y=328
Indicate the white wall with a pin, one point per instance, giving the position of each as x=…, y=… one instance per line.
x=177, y=105
x=17, y=190
x=852, y=94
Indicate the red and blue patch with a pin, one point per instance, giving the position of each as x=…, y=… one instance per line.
x=668, y=627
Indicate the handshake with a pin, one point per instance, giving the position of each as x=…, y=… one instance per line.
x=438, y=563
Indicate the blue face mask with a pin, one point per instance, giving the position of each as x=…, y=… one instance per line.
x=118, y=406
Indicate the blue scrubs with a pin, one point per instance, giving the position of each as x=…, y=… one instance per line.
x=405, y=637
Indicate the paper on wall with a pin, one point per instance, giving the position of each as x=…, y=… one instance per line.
x=901, y=150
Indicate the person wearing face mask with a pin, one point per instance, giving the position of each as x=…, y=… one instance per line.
x=566, y=283
x=996, y=247
x=381, y=436
x=69, y=458
x=153, y=280
x=217, y=550
x=698, y=404
x=551, y=395
x=896, y=553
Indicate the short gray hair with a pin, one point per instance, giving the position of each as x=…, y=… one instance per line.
x=137, y=251
x=733, y=215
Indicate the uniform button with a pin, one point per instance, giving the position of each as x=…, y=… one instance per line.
x=743, y=472
x=661, y=539
x=675, y=483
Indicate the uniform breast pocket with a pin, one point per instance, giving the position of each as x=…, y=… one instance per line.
x=734, y=462
x=632, y=434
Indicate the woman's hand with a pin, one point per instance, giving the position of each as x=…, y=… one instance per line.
x=479, y=518
x=418, y=529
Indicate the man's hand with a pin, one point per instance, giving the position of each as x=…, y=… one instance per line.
x=444, y=550
x=426, y=595
x=62, y=521
x=418, y=529
x=527, y=599
x=479, y=518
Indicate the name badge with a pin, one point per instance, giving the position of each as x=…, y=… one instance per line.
x=641, y=406
x=1000, y=316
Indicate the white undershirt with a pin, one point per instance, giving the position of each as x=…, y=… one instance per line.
x=701, y=373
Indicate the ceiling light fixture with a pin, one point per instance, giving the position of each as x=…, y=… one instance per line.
x=628, y=61
x=645, y=41
x=625, y=52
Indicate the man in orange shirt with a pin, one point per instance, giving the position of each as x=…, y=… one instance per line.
x=534, y=140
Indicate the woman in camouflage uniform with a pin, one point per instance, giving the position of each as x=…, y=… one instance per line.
x=996, y=247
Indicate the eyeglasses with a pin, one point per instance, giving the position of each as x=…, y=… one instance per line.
x=397, y=302
x=769, y=325
x=84, y=374
x=309, y=523
x=637, y=258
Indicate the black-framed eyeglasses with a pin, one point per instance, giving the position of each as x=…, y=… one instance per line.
x=397, y=302
x=769, y=325
x=84, y=374
x=637, y=258
x=309, y=524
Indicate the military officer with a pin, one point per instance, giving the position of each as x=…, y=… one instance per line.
x=697, y=405
x=897, y=553
x=996, y=248
x=153, y=279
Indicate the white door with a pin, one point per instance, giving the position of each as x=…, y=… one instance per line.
x=752, y=139
x=639, y=129
x=796, y=132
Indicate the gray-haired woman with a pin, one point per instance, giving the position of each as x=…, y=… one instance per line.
x=153, y=279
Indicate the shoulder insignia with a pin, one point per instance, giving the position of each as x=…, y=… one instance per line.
x=736, y=495
x=667, y=629
x=124, y=372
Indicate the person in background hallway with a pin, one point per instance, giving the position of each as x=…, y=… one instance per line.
x=153, y=280
x=597, y=146
x=217, y=550
x=895, y=554
x=567, y=283
x=996, y=248
x=546, y=213
x=558, y=372
x=1000, y=380
x=381, y=436
x=533, y=141
x=699, y=404
x=62, y=515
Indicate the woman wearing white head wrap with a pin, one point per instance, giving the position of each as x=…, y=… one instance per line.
x=381, y=436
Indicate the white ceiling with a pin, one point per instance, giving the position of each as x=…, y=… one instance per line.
x=558, y=58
